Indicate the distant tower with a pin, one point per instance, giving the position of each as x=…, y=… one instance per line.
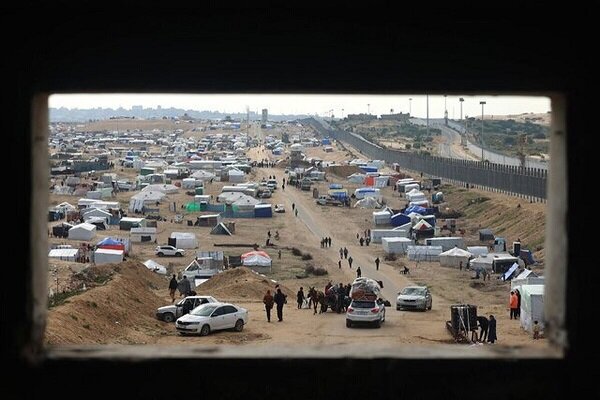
x=445, y=111
x=247, y=115
x=265, y=116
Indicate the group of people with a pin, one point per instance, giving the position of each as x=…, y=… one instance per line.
x=487, y=329
x=269, y=301
x=184, y=286
x=325, y=242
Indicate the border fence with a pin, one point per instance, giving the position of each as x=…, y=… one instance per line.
x=524, y=182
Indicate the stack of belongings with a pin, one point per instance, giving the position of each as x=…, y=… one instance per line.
x=365, y=289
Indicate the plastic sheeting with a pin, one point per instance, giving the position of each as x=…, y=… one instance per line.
x=365, y=288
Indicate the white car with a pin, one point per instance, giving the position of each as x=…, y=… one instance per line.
x=414, y=297
x=212, y=317
x=365, y=311
x=173, y=311
x=279, y=208
x=162, y=251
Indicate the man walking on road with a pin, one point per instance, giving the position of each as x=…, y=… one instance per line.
x=280, y=300
x=339, y=266
x=358, y=272
x=296, y=212
x=341, y=253
x=377, y=263
x=345, y=252
x=268, y=301
x=350, y=259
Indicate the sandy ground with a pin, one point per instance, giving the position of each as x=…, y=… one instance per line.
x=300, y=326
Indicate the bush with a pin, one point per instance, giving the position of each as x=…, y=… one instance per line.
x=319, y=271
x=309, y=269
x=296, y=252
x=390, y=257
x=307, y=256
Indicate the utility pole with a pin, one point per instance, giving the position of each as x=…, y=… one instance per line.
x=369, y=109
x=481, y=138
x=427, y=115
x=445, y=111
x=410, y=106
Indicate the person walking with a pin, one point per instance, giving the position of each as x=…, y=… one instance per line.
x=518, y=294
x=268, y=302
x=361, y=241
x=296, y=212
x=377, y=263
x=483, y=325
x=279, y=254
x=345, y=252
x=367, y=240
x=492, y=330
x=341, y=253
x=350, y=259
x=172, y=287
x=358, y=272
x=293, y=206
x=513, y=302
x=280, y=300
x=536, y=330
x=340, y=264
x=300, y=297
x=184, y=286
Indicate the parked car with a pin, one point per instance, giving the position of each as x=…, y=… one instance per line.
x=265, y=194
x=212, y=317
x=173, y=311
x=162, y=251
x=279, y=208
x=365, y=311
x=327, y=200
x=415, y=298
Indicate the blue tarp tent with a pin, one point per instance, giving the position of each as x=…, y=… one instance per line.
x=527, y=256
x=400, y=219
x=109, y=242
x=507, y=275
x=335, y=186
x=416, y=209
x=326, y=141
x=364, y=168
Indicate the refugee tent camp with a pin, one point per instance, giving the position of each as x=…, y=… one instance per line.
x=424, y=253
x=166, y=188
x=64, y=254
x=383, y=217
x=183, y=240
x=454, y=256
x=82, y=231
x=107, y=256
x=447, y=243
x=395, y=245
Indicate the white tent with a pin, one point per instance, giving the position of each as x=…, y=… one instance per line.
x=424, y=253
x=377, y=235
x=64, y=254
x=156, y=267
x=478, y=250
x=381, y=217
x=188, y=183
x=98, y=213
x=245, y=203
x=107, y=256
x=202, y=175
x=357, y=178
x=421, y=225
x=532, y=306
x=381, y=181
x=395, y=245
x=484, y=261
x=83, y=231
x=185, y=240
x=236, y=176
x=161, y=188
x=368, y=202
x=453, y=257
x=256, y=258
x=149, y=196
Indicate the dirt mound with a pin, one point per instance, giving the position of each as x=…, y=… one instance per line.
x=343, y=171
x=119, y=309
x=239, y=283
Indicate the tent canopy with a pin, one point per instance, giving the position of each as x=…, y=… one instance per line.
x=456, y=252
x=259, y=258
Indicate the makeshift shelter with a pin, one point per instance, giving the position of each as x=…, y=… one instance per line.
x=96, y=213
x=203, y=175
x=485, y=235
x=395, y=245
x=257, y=260
x=357, y=178
x=64, y=254
x=83, y=231
x=399, y=219
x=424, y=253
x=381, y=181
x=245, y=204
x=166, y=188
x=531, y=279
x=367, y=202
x=220, y=229
x=107, y=256
x=236, y=176
x=61, y=230
x=532, y=306
x=478, y=250
x=511, y=271
x=115, y=244
x=377, y=235
x=483, y=261
x=423, y=229
x=361, y=193
x=208, y=220
x=263, y=211
x=142, y=235
x=447, y=243
x=188, y=183
x=156, y=267
x=382, y=217
x=415, y=209
x=183, y=240
x=127, y=223
x=454, y=256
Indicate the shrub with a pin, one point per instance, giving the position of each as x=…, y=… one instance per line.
x=309, y=269
x=390, y=257
x=319, y=271
x=307, y=256
x=296, y=252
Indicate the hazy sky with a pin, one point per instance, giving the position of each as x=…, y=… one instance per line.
x=311, y=104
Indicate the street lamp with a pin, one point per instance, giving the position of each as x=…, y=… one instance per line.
x=427, y=115
x=369, y=109
x=409, y=106
x=481, y=136
x=461, y=101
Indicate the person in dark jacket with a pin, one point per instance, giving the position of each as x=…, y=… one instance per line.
x=280, y=300
x=518, y=303
x=172, y=287
x=184, y=287
x=492, y=330
x=377, y=263
x=300, y=297
x=358, y=272
x=268, y=302
x=483, y=324
x=350, y=259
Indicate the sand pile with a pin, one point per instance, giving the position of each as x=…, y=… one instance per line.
x=240, y=283
x=343, y=171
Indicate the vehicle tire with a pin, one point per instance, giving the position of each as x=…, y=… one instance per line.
x=161, y=254
x=430, y=305
x=169, y=317
x=378, y=323
x=348, y=323
x=239, y=325
x=383, y=319
x=179, y=254
x=205, y=330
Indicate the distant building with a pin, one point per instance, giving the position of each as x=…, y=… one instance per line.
x=137, y=108
x=396, y=117
x=362, y=117
x=265, y=116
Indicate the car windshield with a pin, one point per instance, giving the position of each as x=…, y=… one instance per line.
x=204, y=310
x=412, y=291
x=363, y=304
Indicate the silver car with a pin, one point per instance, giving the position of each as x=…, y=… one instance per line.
x=173, y=311
x=415, y=298
x=212, y=317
